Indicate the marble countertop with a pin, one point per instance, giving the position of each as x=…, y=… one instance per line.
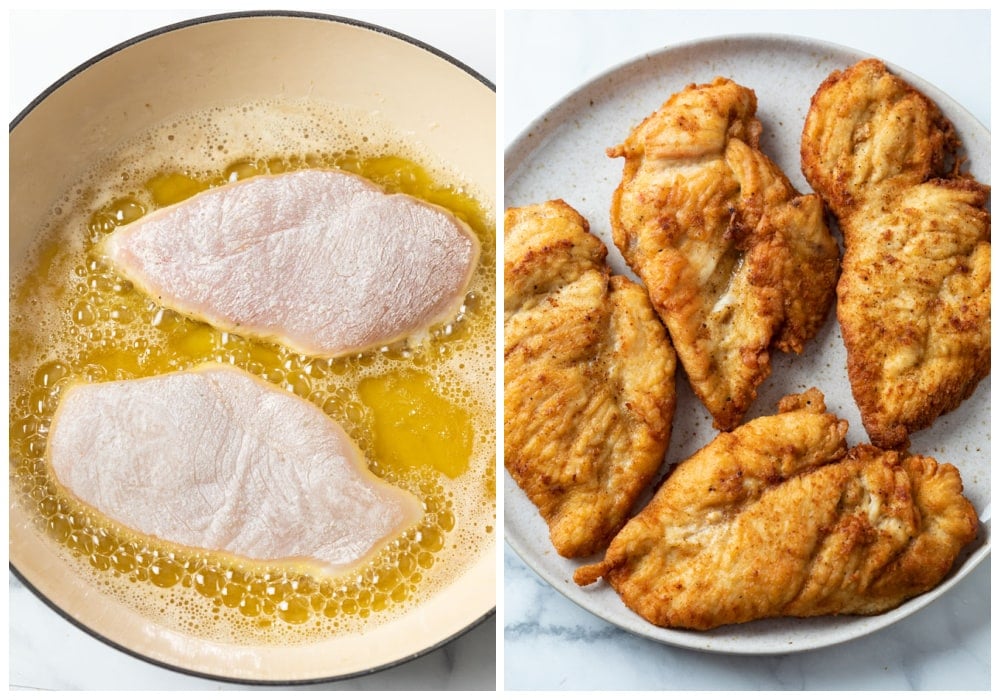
x=47, y=651
x=549, y=642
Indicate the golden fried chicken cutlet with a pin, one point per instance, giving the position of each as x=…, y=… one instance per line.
x=913, y=300
x=588, y=378
x=735, y=260
x=778, y=518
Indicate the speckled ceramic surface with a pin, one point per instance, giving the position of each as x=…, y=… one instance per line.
x=562, y=155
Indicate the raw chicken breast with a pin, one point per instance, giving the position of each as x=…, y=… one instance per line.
x=322, y=261
x=217, y=459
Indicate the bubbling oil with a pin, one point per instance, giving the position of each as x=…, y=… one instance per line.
x=73, y=318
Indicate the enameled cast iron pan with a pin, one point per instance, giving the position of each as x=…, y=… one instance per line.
x=184, y=68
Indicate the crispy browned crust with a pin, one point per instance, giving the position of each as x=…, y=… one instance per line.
x=736, y=262
x=914, y=292
x=844, y=114
x=778, y=519
x=588, y=378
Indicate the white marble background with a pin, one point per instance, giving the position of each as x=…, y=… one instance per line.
x=549, y=642
x=48, y=652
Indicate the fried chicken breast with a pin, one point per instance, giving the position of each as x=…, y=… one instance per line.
x=735, y=260
x=913, y=300
x=778, y=518
x=588, y=378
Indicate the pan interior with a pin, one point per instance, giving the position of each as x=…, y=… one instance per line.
x=350, y=92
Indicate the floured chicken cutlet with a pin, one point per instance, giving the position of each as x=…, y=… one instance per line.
x=913, y=299
x=217, y=459
x=588, y=378
x=778, y=518
x=735, y=260
x=322, y=261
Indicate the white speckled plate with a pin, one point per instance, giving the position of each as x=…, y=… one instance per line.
x=561, y=155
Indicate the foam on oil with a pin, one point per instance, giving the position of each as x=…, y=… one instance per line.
x=422, y=410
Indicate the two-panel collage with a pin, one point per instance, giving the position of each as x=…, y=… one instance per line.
x=499, y=350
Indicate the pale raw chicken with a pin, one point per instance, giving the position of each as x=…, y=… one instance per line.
x=217, y=459
x=322, y=261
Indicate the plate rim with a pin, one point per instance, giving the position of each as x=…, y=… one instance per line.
x=532, y=138
x=511, y=150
